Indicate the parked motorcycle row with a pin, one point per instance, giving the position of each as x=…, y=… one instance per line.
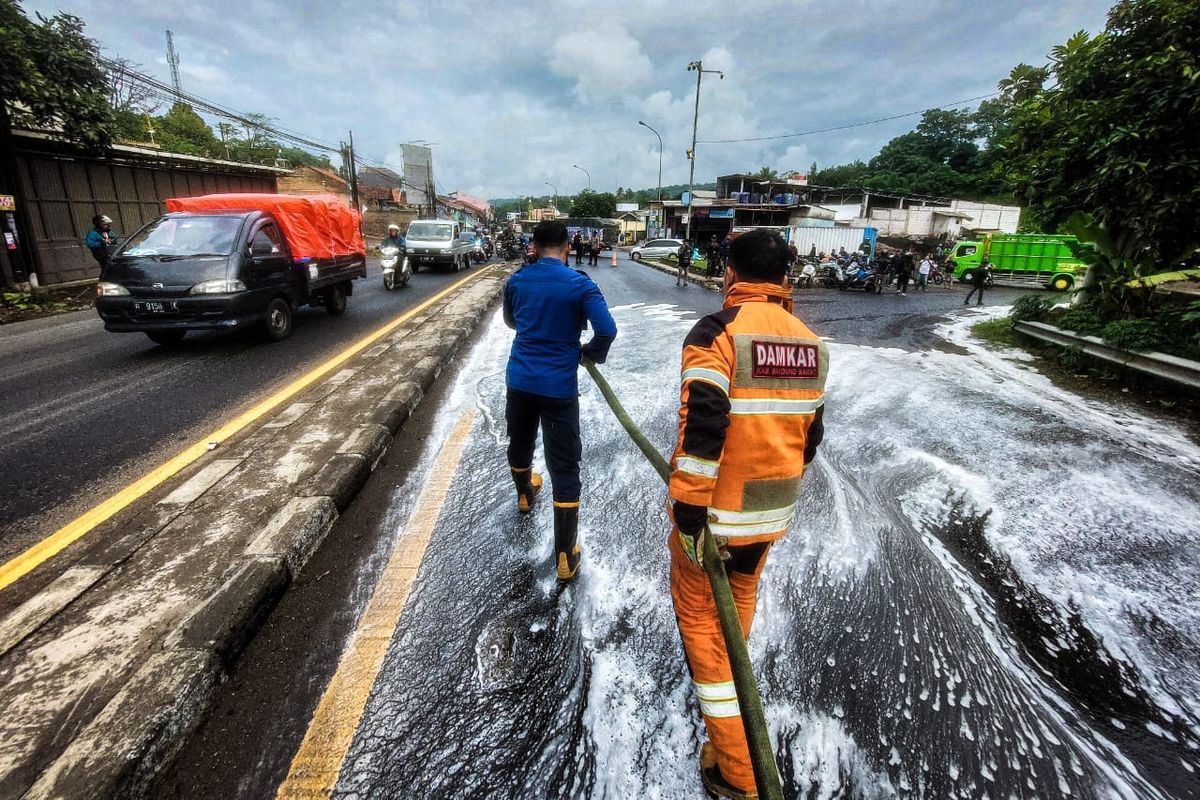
x=855, y=272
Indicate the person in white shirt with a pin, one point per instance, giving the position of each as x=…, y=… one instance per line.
x=923, y=274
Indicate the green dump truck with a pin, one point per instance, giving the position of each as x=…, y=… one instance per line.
x=1021, y=259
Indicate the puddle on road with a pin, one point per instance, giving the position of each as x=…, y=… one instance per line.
x=990, y=590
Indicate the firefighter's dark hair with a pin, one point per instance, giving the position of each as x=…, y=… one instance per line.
x=759, y=256
x=549, y=233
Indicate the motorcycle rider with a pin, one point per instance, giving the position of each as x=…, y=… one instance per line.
x=393, y=238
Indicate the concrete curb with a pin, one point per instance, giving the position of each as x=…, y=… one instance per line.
x=194, y=576
x=1159, y=365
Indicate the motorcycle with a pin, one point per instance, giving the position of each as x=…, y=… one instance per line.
x=396, y=269
x=855, y=276
x=806, y=277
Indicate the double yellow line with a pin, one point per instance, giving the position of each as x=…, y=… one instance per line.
x=79, y=527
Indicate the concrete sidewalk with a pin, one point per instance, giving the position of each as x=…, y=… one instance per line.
x=105, y=672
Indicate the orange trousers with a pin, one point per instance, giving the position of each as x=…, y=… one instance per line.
x=696, y=614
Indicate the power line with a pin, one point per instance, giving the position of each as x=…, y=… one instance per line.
x=851, y=125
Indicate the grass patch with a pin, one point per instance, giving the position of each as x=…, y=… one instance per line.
x=995, y=331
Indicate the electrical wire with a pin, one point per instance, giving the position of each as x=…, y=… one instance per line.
x=847, y=127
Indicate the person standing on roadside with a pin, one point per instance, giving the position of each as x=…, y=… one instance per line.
x=726, y=243
x=923, y=271
x=546, y=303
x=101, y=240
x=577, y=246
x=751, y=417
x=683, y=257
x=904, y=271
x=594, y=249
x=979, y=277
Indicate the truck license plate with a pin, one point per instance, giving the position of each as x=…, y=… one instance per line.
x=155, y=306
x=427, y=258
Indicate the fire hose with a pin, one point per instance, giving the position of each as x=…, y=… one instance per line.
x=754, y=721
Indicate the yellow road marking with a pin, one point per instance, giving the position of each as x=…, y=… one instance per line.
x=53, y=544
x=314, y=770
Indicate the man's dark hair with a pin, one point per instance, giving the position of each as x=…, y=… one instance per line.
x=760, y=256
x=550, y=233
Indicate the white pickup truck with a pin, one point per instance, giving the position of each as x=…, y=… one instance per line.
x=436, y=243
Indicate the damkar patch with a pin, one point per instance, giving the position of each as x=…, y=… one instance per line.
x=785, y=360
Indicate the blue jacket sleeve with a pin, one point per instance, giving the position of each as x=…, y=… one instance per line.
x=604, y=328
x=93, y=240
x=508, y=305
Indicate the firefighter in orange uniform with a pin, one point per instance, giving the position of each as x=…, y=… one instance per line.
x=750, y=421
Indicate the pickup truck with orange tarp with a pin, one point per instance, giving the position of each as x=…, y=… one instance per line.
x=233, y=262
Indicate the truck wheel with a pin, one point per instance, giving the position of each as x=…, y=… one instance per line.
x=415, y=268
x=166, y=338
x=278, y=324
x=335, y=300
x=1061, y=283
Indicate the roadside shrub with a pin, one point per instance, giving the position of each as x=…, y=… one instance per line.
x=1032, y=307
x=995, y=331
x=1073, y=359
x=1135, y=334
x=1086, y=320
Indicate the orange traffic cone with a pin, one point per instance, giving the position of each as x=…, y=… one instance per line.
x=614, y=256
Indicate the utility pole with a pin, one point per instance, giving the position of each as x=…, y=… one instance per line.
x=173, y=62
x=698, y=67
x=429, y=189
x=353, y=167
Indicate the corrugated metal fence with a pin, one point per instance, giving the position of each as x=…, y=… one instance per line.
x=62, y=194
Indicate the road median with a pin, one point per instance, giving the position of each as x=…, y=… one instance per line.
x=108, y=670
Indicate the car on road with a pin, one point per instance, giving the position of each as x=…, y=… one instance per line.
x=655, y=248
x=232, y=262
x=438, y=243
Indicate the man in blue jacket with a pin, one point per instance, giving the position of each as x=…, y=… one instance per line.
x=548, y=304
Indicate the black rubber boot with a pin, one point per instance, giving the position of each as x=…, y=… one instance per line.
x=714, y=782
x=528, y=484
x=566, y=539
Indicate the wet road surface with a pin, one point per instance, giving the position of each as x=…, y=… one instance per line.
x=990, y=590
x=83, y=411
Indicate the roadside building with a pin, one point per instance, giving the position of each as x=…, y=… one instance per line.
x=306, y=179
x=60, y=187
x=381, y=189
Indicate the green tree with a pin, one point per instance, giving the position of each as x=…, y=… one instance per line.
x=852, y=174
x=594, y=204
x=766, y=174
x=1116, y=133
x=49, y=78
x=181, y=130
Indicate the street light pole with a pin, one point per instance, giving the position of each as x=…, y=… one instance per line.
x=554, y=203
x=644, y=125
x=698, y=67
x=585, y=172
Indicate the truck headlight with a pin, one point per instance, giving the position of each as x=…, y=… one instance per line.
x=106, y=289
x=219, y=286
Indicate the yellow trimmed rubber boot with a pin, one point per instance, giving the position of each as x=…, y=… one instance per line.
x=528, y=483
x=715, y=783
x=566, y=539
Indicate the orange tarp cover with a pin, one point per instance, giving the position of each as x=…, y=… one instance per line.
x=316, y=225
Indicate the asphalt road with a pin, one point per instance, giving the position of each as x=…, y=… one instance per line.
x=84, y=412
x=899, y=653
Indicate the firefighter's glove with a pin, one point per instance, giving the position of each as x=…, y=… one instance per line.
x=691, y=521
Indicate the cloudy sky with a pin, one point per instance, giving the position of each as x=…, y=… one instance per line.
x=514, y=94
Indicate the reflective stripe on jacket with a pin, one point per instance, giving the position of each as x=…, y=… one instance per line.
x=750, y=417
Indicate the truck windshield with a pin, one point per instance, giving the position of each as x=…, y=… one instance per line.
x=430, y=231
x=185, y=236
